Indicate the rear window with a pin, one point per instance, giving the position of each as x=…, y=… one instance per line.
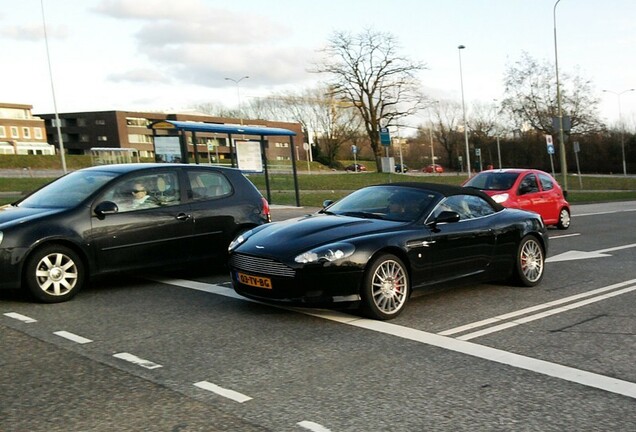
x=546, y=182
x=493, y=180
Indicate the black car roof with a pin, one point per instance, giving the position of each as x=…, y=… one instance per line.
x=447, y=190
x=129, y=167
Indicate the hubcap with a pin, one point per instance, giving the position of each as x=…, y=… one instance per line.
x=389, y=287
x=565, y=218
x=532, y=261
x=56, y=274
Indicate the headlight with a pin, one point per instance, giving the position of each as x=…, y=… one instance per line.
x=331, y=252
x=239, y=240
x=1, y=237
x=500, y=198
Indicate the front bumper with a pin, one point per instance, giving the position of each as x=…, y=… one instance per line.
x=11, y=268
x=318, y=286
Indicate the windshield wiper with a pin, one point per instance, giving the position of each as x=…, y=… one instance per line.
x=362, y=214
x=327, y=212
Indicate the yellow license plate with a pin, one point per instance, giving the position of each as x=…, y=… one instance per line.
x=255, y=281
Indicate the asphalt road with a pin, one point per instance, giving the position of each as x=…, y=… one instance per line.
x=182, y=352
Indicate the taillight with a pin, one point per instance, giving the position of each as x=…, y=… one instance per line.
x=265, y=210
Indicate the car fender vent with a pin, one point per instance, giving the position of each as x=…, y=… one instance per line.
x=259, y=265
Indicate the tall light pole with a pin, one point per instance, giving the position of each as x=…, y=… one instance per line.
x=620, y=124
x=238, y=93
x=564, y=167
x=57, y=117
x=430, y=129
x=497, y=131
x=461, y=80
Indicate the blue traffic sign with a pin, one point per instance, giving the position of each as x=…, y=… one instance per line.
x=385, y=137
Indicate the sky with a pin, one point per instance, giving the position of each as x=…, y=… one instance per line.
x=161, y=55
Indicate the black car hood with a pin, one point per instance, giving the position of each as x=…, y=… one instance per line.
x=10, y=215
x=284, y=239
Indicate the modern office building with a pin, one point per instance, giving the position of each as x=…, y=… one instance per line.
x=84, y=131
x=21, y=133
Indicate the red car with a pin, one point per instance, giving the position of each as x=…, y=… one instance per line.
x=527, y=189
x=356, y=167
x=434, y=168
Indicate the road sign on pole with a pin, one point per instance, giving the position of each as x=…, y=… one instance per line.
x=550, y=144
x=385, y=137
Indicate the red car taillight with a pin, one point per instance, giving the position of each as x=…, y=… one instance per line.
x=265, y=210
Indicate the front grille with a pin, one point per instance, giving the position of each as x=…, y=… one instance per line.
x=258, y=265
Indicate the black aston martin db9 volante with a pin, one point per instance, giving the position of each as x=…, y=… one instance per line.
x=376, y=245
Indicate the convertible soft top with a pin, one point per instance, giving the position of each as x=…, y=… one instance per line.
x=447, y=190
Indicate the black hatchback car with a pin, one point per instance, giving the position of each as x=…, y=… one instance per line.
x=115, y=218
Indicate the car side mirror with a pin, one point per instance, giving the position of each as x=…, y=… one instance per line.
x=106, y=207
x=326, y=203
x=447, y=216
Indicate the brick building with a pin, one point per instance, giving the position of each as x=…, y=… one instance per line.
x=82, y=131
x=21, y=132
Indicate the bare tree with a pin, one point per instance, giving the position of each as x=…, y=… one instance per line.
x=530, y=97
x=367, y=72
x=327, y=121
x=215, y=109
x=446, y=129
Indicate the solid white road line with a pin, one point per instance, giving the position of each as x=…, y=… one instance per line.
x=230, y=394
x=136, y=360
x=603, y=212
x=557, y=237
x=72, y=337
x=555, y=370
x=566, y=373
x=20, y=317
x=538, y=307
x=525, y=320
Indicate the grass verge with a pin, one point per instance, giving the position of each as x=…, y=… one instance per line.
x=314, y=189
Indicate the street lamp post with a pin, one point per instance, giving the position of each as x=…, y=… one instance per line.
x=497, y=132
x=620, y=124
x=564, y=167
x=430, y=129
x=461, y=80
x=58, y=124
x=238, y=93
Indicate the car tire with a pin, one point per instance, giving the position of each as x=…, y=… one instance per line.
x=564, y=219
x=529, y=262
x=54, y=274
x=386, y=288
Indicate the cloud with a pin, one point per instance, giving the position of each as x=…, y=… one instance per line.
x=161, y=9
x=34, y=32
x=190, y=21
x=139, y=76
x=209, y=65
x=193, y=43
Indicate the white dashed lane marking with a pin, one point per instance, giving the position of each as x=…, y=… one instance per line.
x=230, y=394
x=20, y=317
x=136, y=360
x=72, y=337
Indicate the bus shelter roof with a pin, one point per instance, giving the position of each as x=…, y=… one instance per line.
x=220, y=128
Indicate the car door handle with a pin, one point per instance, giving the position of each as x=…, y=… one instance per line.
x=183, y=216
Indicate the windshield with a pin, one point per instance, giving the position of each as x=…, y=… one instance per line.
x=493, y=180
x=397, y=203
x=68, y=191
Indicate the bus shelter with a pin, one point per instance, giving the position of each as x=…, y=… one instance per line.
x=170, y=141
